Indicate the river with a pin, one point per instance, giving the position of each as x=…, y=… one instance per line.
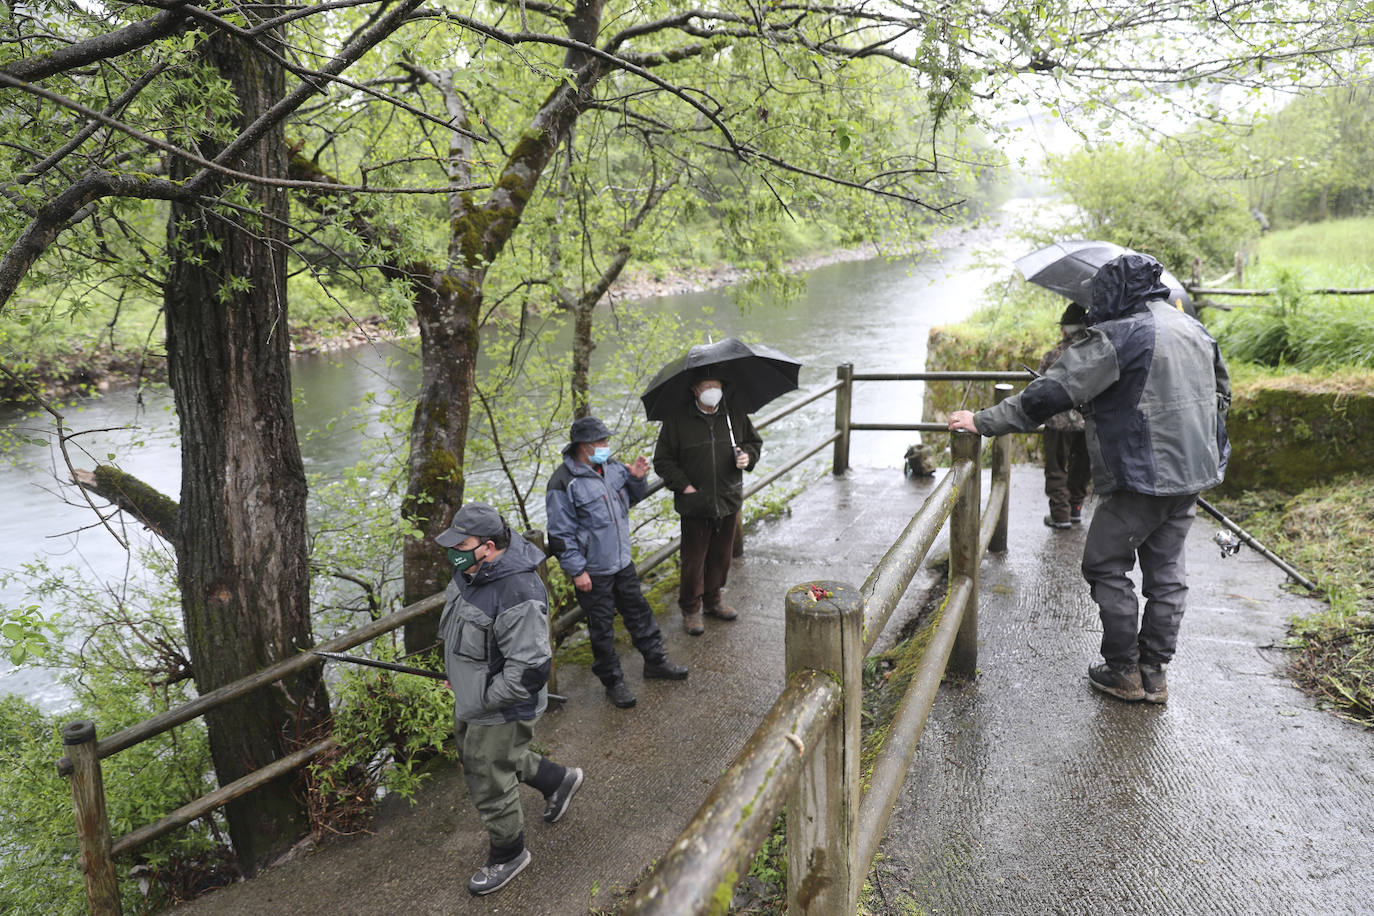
x=875, y=314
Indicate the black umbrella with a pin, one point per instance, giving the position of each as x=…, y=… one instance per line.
x=752, y=375
x=1063, y=266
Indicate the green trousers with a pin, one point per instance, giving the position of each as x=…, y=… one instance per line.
x=496, y=759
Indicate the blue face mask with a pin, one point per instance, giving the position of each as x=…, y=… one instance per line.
x=601, y=454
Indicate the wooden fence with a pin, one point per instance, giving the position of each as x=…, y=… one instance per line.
x=805, y=754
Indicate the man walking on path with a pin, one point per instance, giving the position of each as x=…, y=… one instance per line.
x=1158, y=390
x=588, y=505
x=702, y=451
x=495, y=629
x=1067, y=469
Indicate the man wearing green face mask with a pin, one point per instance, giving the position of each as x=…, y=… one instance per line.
x=495, y=629
x=588, y=502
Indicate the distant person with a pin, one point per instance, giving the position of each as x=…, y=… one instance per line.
x=588, y=503
x=1159, y=391
x=1260, y=219
x=703, y=449
x=495, y=629
x=1067, y=469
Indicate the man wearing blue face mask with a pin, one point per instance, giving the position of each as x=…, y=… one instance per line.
x=588, y=505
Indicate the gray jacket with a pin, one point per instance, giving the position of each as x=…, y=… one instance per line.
x=1151, y=385
x=589, y=515
x=495, y=629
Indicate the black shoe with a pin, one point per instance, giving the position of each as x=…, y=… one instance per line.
x=1120, y=681
x=1049, y=520
x=557, y=803
x=664, y=670
x=620, y=694
x=1155, y=684
x=491, y=878
x=1076, y=515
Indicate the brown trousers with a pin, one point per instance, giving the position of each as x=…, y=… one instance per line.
x=707, y=545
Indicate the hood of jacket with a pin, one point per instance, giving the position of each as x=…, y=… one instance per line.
x=1123, y=285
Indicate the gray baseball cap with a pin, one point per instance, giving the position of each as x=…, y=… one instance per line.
x=472, y=520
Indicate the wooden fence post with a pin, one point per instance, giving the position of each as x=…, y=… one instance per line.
x=82, y=766
x=824, y=632
x=963, y=550
x=844, y=399
x=1001, y=471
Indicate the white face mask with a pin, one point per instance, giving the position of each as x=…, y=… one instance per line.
x=710, y=397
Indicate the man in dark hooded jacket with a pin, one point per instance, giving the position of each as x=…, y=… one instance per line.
x=703, y=450
x=1154, y=392
x=495, y=629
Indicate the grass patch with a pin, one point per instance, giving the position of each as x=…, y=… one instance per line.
x=1327, y=533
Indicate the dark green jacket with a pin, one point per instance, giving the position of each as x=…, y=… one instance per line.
x=694, y=448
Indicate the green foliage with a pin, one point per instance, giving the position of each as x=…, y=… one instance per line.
x=389, y=727
x=1296, y=329
x=1314, y=159
x=1153, y=200
x=24, y=633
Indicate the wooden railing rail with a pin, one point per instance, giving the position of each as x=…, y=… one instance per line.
x=834, y=825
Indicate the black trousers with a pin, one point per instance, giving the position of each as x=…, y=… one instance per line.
x=619, y=590
x=707, y=546
x=1068, y=471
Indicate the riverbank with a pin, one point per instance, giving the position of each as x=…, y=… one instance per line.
x=85, y=372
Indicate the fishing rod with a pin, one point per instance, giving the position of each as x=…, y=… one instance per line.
x=1231, y=546
x=403, y=669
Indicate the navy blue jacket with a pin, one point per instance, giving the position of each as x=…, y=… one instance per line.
x=1149, y=381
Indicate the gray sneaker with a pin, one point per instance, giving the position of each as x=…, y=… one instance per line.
x=557, y=803
x=1120, y=681
x=1155, y=683
x=491, y=878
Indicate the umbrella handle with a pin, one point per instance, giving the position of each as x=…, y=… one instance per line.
x=728, y=425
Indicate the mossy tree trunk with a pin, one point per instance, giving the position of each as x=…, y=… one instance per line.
x=241, y=545
x=448, y=309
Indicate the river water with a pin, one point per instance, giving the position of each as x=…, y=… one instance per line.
x=875, y=314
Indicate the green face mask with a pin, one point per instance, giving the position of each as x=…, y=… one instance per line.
x=462, y=560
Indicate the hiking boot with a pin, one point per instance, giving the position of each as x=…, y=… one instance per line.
x=1121, y=681
x=1155, y=684
x=557, y=803
x=1053, y=523
x=1076, y=515
x=620, y=694
x=664, y=670
x=491, y=878
x=693, y=623
x=722, y=612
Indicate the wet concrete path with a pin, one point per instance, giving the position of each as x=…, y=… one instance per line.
x=1029, y=793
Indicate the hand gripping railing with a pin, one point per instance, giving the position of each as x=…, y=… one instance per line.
x=833, y=825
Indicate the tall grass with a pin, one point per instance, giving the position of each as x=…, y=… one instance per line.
x=1301, y=330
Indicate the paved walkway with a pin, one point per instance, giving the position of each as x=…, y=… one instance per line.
x=1029, y=794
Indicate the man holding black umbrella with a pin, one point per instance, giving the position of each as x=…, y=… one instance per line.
x=1157, y=392
x=703, y=448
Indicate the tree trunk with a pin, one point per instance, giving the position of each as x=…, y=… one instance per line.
x=447, y=312
x=241, y=550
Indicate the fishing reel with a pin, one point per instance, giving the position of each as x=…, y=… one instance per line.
x=1228, y=542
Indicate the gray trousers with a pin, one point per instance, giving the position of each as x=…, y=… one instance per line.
x=1154, y=528
x=496, y=759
